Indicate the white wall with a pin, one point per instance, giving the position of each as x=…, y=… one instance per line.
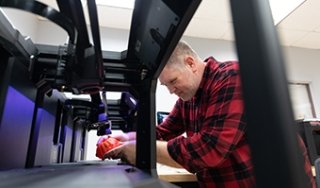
x=23, y=21
x=303, y=65
x=50, y=33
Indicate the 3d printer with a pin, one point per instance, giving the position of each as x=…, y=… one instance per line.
x=52, y=129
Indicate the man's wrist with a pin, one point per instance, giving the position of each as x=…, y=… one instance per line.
x=131, y=136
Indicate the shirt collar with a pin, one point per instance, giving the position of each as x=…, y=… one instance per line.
x=208, y=61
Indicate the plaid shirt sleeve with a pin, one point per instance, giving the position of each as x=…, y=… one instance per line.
x=222, y=128
x=172, y=126
x=307, y=164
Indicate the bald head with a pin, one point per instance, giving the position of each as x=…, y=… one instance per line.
x=183, y=72
x=177, y=57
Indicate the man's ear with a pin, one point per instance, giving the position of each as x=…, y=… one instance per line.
x=190, y=62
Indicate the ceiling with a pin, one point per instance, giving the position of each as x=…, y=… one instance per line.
x=213, y=20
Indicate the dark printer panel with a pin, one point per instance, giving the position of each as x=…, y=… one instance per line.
x=27, y=125
x=155, y=30
x=310, y=133
x=16, y=112
x=15, y=126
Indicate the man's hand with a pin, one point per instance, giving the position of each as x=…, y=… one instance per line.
x=106, y=144
x=122, y=137
x=126, y=152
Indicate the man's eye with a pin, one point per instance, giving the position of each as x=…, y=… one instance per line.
x=173, y=81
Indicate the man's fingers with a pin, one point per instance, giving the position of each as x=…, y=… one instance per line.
x=112, y=154
x=102, y=139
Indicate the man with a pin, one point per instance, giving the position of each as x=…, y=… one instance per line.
x=210, y=110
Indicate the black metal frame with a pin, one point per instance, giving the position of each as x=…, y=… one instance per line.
x=271, y=128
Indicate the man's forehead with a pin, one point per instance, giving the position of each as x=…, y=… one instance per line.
x=167, y=75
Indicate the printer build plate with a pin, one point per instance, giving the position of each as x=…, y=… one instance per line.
x=82, y=174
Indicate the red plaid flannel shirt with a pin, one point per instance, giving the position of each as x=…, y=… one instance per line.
x=216, y=147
